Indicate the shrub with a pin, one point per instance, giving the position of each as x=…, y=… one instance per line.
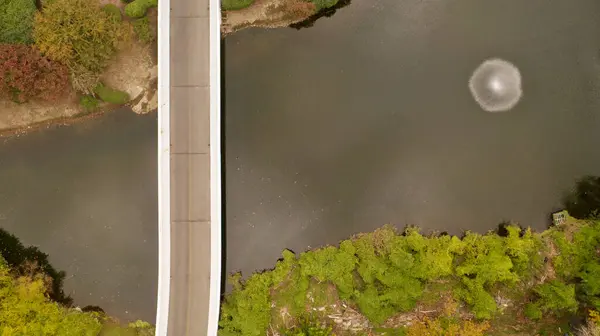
x=474, y=294
x=81, y=35
x=111, y=95
x=113, y=12
x=138, y=8
x=89, y=103
x=556, y=296
x=332, y=264
x=247, y=310
x=590, y=283
x=576, y=252
x=142, y=30
x=235, y=4
x=533, y=311
x=25, y=261
x=25, y=309
x=16, y=21
x=26, y=74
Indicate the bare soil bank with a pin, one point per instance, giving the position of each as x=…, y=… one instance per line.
x=267, y=14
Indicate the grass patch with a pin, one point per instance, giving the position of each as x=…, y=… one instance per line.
x=138, y=8
x=112, y=96
x=235, y=4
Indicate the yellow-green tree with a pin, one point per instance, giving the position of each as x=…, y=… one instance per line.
x=81, y=35
x=25, y=310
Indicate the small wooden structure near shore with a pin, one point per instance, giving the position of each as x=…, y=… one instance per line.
x=560, y=218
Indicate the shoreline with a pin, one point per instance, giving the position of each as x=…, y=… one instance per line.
x=264, y=14
x=267, y=14
x=16, y=132
x=132, y=70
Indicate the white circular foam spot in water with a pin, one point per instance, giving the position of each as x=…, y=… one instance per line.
x=496, y=85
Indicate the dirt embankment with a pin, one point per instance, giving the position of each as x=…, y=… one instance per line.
x=267, y=14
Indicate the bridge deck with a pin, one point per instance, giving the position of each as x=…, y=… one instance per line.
x=190, y=168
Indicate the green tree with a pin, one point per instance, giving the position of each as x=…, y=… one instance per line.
x=590, y=283
x=29, y=261
x=556, y=297
x=16, y=21
x=25, y=310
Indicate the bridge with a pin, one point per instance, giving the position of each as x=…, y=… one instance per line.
x=189, y=167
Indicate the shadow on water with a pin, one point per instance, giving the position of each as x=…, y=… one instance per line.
x=30, y=260
x=325, y=12
x=223, y=173
x=584, y=200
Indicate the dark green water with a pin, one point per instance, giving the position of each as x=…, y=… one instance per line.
x=367, y=119
x=87, y=196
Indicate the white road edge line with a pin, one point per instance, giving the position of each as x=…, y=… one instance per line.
x=164, y=168
x=215, y=168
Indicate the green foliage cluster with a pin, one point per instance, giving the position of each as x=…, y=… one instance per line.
x=81, y=35
x=487, y=260
x=247, y=310
x=590, y=283
x=143, y=31
x=110, y=95
x=235, y=4
x=89, y=102
x=25, y=310
x=24, y=261
x=553, y=297
x=578, y=260
x=384, y=273
x=113, y=12
x=575, y=249
x=32, y=301
x=321, y=4
x=16, y=21
x=138, y=8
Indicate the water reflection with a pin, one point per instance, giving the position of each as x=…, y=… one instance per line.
x=496, y=85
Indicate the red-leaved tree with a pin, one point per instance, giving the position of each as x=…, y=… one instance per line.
x=25, y=74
